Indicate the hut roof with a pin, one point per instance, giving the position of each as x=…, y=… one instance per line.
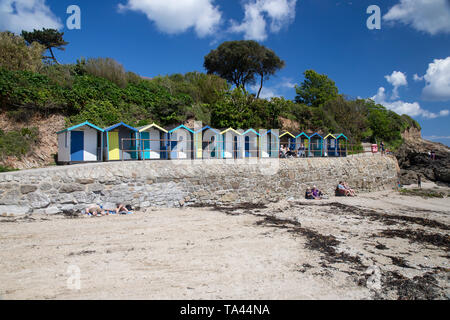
x=120, y=124
x=231, y=129
x=330, y=135
x=181, y=127
x=342, y=135
x=207, y=128
x=153, y=125
x=316, y=134
x=287, y=133
x=302, y=134
x=86, y=123
x=251, y=131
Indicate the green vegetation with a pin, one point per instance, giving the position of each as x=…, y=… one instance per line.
x=16, y=55
x=239, y=62
x=17, y=143
x=101, y=91
x=49, y=38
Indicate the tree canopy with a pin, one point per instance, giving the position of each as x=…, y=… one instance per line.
x=240, y=62
x=49, y=38
x=316, y=89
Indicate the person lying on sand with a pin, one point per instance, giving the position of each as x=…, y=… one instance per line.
x=95, y=210
x=120, y=208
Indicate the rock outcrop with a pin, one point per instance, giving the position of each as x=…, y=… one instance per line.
x=414, y=159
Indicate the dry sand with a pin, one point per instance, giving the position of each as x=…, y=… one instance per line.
x=342, y=248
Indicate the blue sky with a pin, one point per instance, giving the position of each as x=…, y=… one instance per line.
x=405, y=65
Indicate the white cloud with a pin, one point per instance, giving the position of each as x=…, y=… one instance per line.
x=175, y=16
x=437, y=138
x=431, y=16
x=401, y=107
x=417, y=77
x=266, y=92
x=396, y=79
x=258, y=13
x=437, y=80
x=18, y=15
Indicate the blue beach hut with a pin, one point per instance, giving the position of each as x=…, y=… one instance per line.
x=303, y=144
x=121, y=142
x=80, y=143
x=231, y=144
x=288, y=139
x=341, y=145
x=330, y=145
x=251, y=143
x=207, y=143
x=153, y=142
x=269, y=144
x=181, y=144
x=316, y=145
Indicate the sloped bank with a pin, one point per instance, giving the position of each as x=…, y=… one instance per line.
x=179, y=183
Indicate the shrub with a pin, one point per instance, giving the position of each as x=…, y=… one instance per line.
x=16, y=55
x=107, y=68
x=17, y=143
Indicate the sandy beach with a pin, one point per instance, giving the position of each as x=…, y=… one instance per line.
x=381, y=245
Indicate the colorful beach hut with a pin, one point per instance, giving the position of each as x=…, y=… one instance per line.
x=269, y=144
x=288, y=139
x=121, y=142
x=207, y=143
x=302, y=141
x=181, y=144
x=80, y=143
x=153, y=142
x=251, y=143
x=330, y=145
x=316, y=145
x=341, y=145
x=231, y=144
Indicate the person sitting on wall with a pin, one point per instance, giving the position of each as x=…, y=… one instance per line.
x=317, y=194
x=290, y=153
x=282, y=151
x=341, y=191
x=301, y=151
x=95, y=210
x=351, y=191
x=309, y=195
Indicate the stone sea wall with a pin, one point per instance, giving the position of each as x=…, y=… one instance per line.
x=182, y=183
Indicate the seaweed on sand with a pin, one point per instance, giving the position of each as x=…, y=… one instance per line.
x=315, y=241
x=420, y=236
x=418, y=288
x=388, y=219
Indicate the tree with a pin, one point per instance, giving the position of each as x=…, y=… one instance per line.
x=49, y=38
x=316, y=89
x=239, y=62
x=15, y=55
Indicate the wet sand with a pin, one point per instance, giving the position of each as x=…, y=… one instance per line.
x=379, y=245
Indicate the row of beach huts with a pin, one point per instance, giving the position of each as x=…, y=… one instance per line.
x=87, y=142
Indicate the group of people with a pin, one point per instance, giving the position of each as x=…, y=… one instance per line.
x=343, y=190
x=286, y=152
x=313, y=194
x=97, y=210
